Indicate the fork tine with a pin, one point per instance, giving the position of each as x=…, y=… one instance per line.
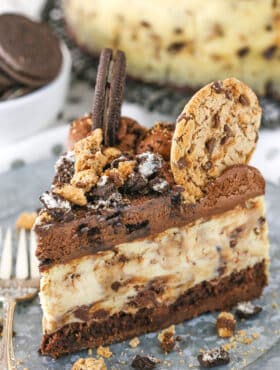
x=22, y=260
x=34, y=270
x=6, y=258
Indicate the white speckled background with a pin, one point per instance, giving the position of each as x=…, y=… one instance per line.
x=19, y=191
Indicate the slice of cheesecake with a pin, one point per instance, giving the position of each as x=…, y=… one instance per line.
x=127, y=247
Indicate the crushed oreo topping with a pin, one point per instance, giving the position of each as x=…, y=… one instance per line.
x=112, y=201
x=55, y=205
x=143, y=363
x=64, y=168
x=213, y=357
x=246, y=310
x=148, y=163
x=159, y=185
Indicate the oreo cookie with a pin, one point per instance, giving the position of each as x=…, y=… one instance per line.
x=30, y=53
x=108, y=95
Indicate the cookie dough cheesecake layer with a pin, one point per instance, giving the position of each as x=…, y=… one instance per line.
x=175, y=260
x=190, y=44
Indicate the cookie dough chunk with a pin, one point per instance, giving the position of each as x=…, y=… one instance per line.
x=218, y=128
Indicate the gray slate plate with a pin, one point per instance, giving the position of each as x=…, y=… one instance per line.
x=19, y=191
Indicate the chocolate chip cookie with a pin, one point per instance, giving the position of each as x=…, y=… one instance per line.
x=218, y=128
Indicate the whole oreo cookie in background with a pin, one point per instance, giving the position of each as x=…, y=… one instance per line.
x=30, y=55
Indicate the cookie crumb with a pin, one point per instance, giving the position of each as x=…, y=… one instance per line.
x=89, y=364
x=225, y=324
x=104, y=352
x=167, y=339
x=213, y=357
x=134, y=342
x=26, y=220
x=72, y=194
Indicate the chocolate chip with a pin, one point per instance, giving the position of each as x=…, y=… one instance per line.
x=244, y=100
x=217, y=87
x=116, y=286
x=216, y=119
x=214, y=357
x=130, y=228
x=232, y=243
x=182, y=163
x=243, y=51
x=207, y=166
x=176, y=47
x=246, y=310
x=228, y=131
x=210, y=145
x=269, y=52
x=145, y=24
x=143, y=363
x=261, y=220
x=82, y=228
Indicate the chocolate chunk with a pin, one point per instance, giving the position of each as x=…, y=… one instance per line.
x=243, y=51
x=175, y=47
x=217, y=87
x=116, y=286
x=143, y=363
x=214, y=357
x=246, y=310
x=182, y=163
x=133, y=227
x=207, y=166
x=244, y=100
x=216, y=119
x=269, y=52
x=210, y=145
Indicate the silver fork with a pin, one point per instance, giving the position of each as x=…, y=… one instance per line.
x=22, y=287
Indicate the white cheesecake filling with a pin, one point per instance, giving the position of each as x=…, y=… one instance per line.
x=182, y=257
x=188, y=42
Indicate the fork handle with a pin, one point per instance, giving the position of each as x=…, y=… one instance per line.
x=7, y=356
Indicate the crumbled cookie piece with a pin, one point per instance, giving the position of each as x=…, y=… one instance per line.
x=44, y=218
x=143, y=363
x=26, y=220
x=111, y=153
x=213, y=357
x=84, y=180
x=89, y=364
x=167, y=339
x=134, y=342
x=246, y=310
x=104, y=352
x=72, y=194
x=225, y=324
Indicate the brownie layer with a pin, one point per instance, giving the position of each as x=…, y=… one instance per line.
x=84, y=231
x=218, y=294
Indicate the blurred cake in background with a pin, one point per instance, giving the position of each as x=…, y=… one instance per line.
x=185, y=43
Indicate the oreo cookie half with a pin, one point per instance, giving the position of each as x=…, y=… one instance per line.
x=108, y=96
x=29, y=51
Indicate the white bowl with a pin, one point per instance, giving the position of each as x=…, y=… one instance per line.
x=23, y=116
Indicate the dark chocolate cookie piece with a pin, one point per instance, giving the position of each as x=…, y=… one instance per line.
x=5, y=81
x=101, y=86
x=29, y=49
x=109, y=94
x=117, y=82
